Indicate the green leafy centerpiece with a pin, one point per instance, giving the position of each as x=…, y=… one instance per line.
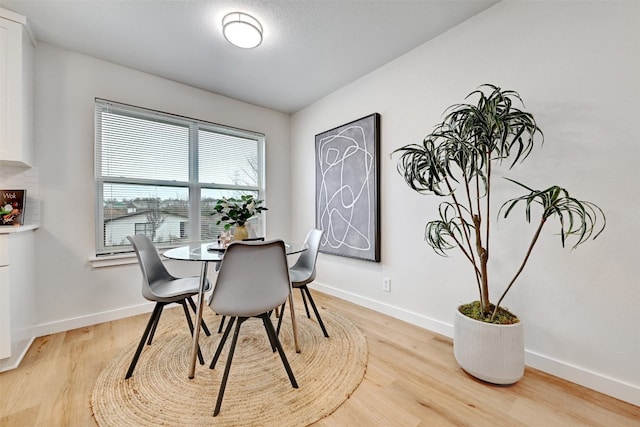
x=235, y=212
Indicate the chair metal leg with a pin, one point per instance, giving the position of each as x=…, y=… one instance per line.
x=221, y=324
x=155, y=323
x=221, y=344
x=152, y=320
x=227, y=367
x=204, y=325
x=190, y=322
x=273, y=345
x=315, y=310
x=304, y=300
x=269, y=326
x=280, y=317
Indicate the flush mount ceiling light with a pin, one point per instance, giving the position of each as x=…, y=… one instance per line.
x=242, y=30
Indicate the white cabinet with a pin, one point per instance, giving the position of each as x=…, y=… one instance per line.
x=5, y=296
x=5, y=315
x=16, y=90
x=17, y=295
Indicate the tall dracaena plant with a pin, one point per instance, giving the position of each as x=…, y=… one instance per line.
x=455, y=161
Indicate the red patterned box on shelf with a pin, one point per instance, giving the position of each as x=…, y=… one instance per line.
x=12, y=207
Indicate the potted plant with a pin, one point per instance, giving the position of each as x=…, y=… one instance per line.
x=236, y=212
x=455, y=162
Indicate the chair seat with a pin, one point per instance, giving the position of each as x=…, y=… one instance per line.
x=299, y=277
x=176, y=289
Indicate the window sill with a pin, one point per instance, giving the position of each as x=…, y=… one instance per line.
x=113, y=260
x=118, y=259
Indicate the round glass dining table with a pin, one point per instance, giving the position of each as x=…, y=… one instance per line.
x=213, y=252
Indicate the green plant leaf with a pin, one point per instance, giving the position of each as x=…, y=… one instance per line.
x=577, y=218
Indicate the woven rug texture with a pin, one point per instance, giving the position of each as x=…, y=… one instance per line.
x=258, y=391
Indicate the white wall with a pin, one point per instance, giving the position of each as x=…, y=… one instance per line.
x=70, y=292
x=577, y=66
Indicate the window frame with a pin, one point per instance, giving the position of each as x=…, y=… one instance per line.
x=193, y=186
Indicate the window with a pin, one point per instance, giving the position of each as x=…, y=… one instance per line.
x=144, y=228
x=159, y=174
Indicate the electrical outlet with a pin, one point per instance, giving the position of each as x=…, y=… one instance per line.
x=386, y=284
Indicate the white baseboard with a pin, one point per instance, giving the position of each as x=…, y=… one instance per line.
x=13, y=362
x=70, y=324
x=613, y=387
x=390, y=310
x=91, y=319
x=610, y=386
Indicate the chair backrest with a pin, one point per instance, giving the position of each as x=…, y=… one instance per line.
x=253, y=279
x=306, y=262
x=153, y=270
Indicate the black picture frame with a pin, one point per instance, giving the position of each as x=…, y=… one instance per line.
x=348, y=189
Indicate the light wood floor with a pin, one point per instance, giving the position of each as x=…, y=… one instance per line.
x=412, y=379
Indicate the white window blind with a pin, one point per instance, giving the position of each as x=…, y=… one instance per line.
x=160, y=175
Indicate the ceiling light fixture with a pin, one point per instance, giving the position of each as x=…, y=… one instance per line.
x=242, y=30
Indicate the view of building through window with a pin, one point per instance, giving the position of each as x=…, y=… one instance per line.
x=160, y=175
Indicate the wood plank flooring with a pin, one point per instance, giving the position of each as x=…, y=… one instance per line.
x=412, y=379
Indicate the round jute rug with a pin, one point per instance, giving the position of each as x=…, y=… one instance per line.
x=258, y=391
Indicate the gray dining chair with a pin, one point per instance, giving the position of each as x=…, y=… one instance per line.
x=302, y=273
x=160, y=286
x=252, y=281
x=248, y=239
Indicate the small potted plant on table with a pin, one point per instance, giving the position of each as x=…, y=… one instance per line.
x=455, y=162
x=235, y=212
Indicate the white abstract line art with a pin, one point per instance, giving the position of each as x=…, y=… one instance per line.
x=345, y=163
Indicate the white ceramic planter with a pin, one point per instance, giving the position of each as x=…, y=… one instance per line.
x=492, y=353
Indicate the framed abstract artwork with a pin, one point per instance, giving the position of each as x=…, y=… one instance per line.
x=348, y=189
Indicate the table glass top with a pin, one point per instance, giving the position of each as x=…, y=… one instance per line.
x=211, y=251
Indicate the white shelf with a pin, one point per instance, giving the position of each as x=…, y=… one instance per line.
x=9, y=229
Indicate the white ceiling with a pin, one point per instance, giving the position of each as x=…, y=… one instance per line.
x=310, y=48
